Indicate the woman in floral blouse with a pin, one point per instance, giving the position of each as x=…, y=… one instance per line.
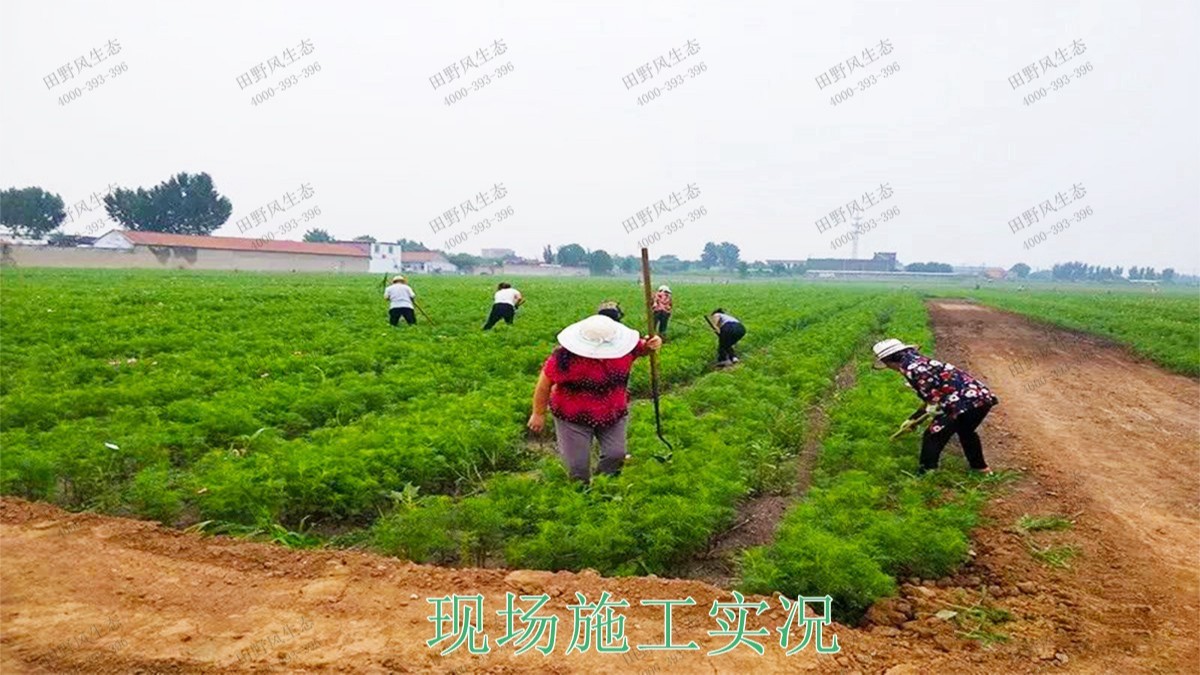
x=958, y=402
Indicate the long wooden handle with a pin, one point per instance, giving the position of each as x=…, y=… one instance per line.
x=649, y=314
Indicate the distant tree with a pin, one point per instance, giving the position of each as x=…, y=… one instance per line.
x=31, y=212
x=365, y=237
x=413, y=246
x=317, y=235
x=743, y=269
x=548, y=255
x=711, y=256
x=184, y=204
x=628, y=263
x=1020, y=270
x=728, y=255
x=466, y=261
x=779, y=269
x=667, y=263
x=1168, y=275
x=572, y=255
x=599, y=262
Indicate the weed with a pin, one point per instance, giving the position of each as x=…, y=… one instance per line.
x=1028, y=523
x=1054, y=556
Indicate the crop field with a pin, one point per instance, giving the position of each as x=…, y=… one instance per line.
x=284, y=407
x=1162, y=327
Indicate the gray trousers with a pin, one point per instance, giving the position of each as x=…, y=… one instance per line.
x=575, y=447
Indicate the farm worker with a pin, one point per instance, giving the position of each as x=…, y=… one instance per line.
x=504, y=305
x=611, y=309
x=729, y=331
x=400, y=301
x=662, y=309
x=957, y=401
x=585, y=383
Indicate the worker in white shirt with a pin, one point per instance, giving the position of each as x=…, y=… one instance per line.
x=504, y=305
x=400, y=298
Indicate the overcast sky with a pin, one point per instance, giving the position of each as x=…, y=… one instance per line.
x=744, y=119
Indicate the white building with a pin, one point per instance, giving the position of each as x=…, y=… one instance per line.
x=426, y=261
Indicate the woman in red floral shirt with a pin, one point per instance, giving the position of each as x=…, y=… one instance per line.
x=585, y=383
x=959, y=402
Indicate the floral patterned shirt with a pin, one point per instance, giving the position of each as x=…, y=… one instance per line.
x=954, y=391
x=662, y=302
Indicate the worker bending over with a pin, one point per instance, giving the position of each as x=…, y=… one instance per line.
x=955, y=400
x=504, y=305
x=400, y=298
x=729, y=330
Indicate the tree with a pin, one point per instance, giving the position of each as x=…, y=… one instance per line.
x=728, y=255
x=628, y=263
x=599, y=262
x=1168, y=275
x=548, y=255
x=466, y=261
x=572, y=255
x=1020, y=270
x=365, y=237
x=743, y=269
x=411, y=246
x=317, y=235
x=668, y=264
x=184, y=204
x=711, y=256
x=31, y=212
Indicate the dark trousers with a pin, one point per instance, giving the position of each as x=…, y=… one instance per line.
x=730, y=334
x=660, y=319
x=500, y=310
x=964, y=425
x=395, y=313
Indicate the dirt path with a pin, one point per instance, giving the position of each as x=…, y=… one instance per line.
x=1111, y=442
x=1115, y=442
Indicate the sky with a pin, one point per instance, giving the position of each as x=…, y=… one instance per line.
x=982, y=133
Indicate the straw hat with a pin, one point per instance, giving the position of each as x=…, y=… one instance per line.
x=598, y=337
x=399, y=278
x=886, y=348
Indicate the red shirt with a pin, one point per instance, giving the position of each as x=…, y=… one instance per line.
x=591, y=392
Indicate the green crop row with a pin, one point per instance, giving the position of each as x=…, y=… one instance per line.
x=1164, y=328
x=866, y=519
x=260, y=399
x=655, y=515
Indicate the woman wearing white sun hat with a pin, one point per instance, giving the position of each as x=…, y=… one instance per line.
x=585, y=384
x=662, y=309
x=957, y=401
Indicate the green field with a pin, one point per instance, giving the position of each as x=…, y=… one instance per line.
x=284, y=406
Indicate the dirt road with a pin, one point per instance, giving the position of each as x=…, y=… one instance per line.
x=1107, y=440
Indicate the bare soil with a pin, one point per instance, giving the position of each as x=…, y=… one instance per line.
x=1101, y=437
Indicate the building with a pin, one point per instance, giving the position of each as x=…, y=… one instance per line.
x=426, y=261
x=881, y=262
x=497, y=253
x=531, y=269
x=128, y=248
x=385, y=256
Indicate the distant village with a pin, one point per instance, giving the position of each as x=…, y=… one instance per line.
x=158, y=250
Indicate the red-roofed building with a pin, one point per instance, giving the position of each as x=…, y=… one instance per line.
x=186, y=251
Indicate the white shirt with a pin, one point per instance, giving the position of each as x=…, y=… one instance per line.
x=400, y=295
x=508, y=296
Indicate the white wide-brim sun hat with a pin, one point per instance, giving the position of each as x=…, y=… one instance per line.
x=598, y=337
x=665, y=288
x=886, y=348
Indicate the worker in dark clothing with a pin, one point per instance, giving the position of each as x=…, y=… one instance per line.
x=729, y=331
x=956, y=401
